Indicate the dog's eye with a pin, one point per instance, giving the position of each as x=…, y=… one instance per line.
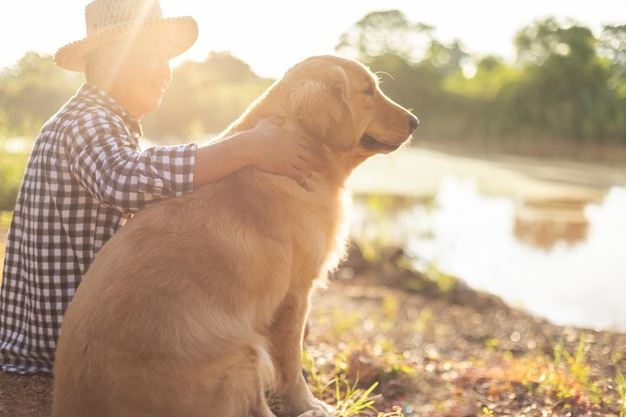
x=369, y=91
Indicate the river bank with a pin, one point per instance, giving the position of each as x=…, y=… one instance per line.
x=418, y=171
x=542, y=233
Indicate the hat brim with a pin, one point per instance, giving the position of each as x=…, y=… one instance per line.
x=179, y=32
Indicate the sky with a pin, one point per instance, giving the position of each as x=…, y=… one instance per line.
x=272, y=35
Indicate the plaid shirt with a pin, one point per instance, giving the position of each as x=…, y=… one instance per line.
x=85, y=177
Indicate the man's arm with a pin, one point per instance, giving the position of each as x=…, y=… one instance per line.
x=267, y=146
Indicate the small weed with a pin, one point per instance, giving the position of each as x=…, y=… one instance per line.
x=565, y=376
x=334, y=383
x=486, y=413
x=575, y=365
x=620, y=387
x=356, y=402
x=491, y=344
x=352, y=400
x=391, y=308
x=340, y=322
x=445, y=283
x=423, y=321
x=315, y=378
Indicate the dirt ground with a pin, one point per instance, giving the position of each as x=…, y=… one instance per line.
x=434, y=354
x=452, y=353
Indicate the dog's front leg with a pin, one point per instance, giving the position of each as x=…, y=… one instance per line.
x=286, y=339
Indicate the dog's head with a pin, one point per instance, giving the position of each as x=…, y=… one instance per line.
x=339, y=102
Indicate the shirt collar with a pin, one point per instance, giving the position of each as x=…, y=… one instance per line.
x=97, y=95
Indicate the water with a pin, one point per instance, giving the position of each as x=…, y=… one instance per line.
x=562, y=260
x=558, y=258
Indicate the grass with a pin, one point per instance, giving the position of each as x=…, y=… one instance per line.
x=12, y=167
x=334, y=384
x=486, y=413
x=353, y=370
x=563, y=380
x=352, y=400
x=5, y=220
x=620, y=388
x=349, y=399
x=576, y=370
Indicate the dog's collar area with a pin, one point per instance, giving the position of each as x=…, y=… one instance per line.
x=370, y=143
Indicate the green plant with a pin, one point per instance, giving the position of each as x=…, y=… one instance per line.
x=620, y=387
x=486, y=413
x=11, y=170
x=315, y=378
x=570, y=376
x=5, y=218
x=352, y=400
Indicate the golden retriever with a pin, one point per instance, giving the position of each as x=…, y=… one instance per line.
x=199, y=303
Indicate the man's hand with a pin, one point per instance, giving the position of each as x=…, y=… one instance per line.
x=280, y=151
x=267, y=146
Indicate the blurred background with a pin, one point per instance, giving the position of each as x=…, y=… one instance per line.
x=515, y=181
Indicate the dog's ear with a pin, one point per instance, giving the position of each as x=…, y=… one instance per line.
x=321, y=106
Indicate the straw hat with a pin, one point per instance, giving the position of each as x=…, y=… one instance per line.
x=110, y=20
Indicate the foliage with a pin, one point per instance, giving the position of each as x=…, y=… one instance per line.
x=567, y=85
x=563, y=72
x=30, y=92
x=12, y=167
x=349, y=398
x=354, y=400
x=486, y=413
x=386, y=33
x=574, y=366
x=5, y=221
x=612, y=46
x=203, y=98
x=620, y=382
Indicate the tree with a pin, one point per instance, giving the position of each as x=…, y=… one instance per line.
x=612, y=45
x=412, y=66
x=203, y=98
x=32, y=90
x=386, y=33
x=563, y=88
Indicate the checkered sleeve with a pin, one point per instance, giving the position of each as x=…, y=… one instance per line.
x=109, y=164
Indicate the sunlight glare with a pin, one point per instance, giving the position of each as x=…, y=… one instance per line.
x=283, y=41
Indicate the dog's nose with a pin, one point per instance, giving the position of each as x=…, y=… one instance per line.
x=414, y=121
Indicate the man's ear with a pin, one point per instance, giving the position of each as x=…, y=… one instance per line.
x=103, y=65
x=322, y=107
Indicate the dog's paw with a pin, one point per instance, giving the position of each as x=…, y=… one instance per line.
x=301, y=402
x=315, y=413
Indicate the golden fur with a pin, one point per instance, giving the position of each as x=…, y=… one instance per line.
x=199, y=303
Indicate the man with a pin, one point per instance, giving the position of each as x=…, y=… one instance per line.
x=87, y=175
